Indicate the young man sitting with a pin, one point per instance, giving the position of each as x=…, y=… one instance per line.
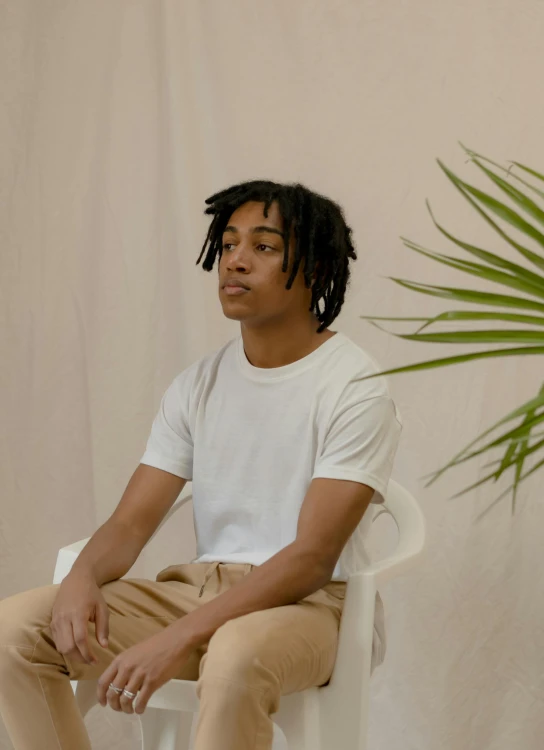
x=286, y=443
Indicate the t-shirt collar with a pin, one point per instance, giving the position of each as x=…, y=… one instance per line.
x=267, y=374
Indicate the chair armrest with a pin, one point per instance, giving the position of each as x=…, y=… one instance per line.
x=386, y=569
x=410, y=522
x=66, y=558
x=184, y=497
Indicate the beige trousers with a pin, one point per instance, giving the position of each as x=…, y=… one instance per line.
x=241, y=672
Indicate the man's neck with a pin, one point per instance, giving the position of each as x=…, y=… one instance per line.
x=282, y=345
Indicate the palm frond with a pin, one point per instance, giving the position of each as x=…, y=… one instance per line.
x=502, y=212
x=508, y=171
x=522, y=311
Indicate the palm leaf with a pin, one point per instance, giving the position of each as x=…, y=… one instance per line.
x=459, y=359
x=522, y=455
x=517, y=196
x=516, y=461
x=538, y=175
x=490, y=258
x=516, y=482
x=471, y=295
x=497, y=207
x=528, y=254
x=478, y=337
x=522, y=431
x=464, y=315
x=516, y=442
x=519, y=452
x=517, y=446
x=484, y=272
x=508, y=171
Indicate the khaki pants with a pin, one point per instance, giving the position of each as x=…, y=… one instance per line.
x=241, y=673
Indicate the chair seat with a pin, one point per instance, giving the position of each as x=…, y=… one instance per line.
x=180, y=695
x=176, y=695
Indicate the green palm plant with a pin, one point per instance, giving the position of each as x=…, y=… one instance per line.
x=518, y=317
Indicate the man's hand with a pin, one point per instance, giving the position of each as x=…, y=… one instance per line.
x=79, y=602
x=143, y=669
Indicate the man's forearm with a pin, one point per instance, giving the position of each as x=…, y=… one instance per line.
x=110, y=553
x=286, y=578
x=115, y=546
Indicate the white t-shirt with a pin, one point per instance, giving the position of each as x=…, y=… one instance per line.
x=252, y=439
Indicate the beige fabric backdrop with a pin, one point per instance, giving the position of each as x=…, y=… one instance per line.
x=118, y=119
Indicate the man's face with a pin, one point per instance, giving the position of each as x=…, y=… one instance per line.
x=253, y=254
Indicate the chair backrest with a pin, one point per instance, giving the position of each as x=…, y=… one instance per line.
x=344, y=702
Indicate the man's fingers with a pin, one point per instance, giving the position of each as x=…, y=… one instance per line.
x=101, y=623
x=132, y=687
x=63, y=636
x=81, y=639
x=114, y=696
x=64, y=640
x=140, y=703
x=108, y=676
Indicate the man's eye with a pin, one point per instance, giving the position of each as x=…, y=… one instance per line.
x=261, y=246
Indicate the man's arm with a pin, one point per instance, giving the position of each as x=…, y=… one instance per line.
x=108, y=555
x=115, y=546
x=331, y=511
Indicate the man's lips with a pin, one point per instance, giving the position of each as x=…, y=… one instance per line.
x=232, y=289
x=235, y=286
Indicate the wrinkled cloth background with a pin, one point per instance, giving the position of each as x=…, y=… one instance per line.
x=117, y=120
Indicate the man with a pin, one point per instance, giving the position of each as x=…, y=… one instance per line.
x=286, y=441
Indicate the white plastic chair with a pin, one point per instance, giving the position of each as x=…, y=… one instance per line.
x=333, y=716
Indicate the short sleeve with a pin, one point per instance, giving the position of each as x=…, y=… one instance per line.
x=361, y=441
x=170, y=446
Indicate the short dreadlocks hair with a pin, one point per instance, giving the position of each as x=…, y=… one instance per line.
x=322, y=238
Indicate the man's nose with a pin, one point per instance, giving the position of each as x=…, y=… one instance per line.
x=238, y=258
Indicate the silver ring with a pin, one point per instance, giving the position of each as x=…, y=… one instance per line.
x=117, y=690
x=129, y=694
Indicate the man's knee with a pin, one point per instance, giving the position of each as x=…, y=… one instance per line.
x=24, y=615
x=234, y=652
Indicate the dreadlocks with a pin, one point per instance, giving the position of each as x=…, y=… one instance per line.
x=322, y=238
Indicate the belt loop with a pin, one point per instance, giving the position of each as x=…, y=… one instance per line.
x=208, y=575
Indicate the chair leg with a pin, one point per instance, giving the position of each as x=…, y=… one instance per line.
x=279, y=741
x=298, y=719
x=85, y=693
x=294, y=738
x=165, y=730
